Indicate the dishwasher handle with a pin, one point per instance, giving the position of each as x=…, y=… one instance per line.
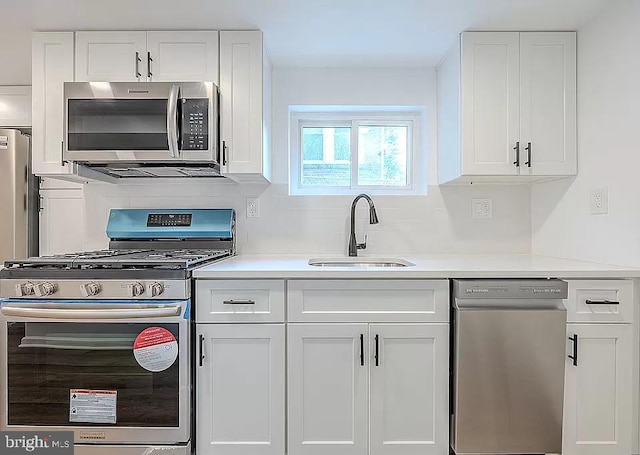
x=574, y=357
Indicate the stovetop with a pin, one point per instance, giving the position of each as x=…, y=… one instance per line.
x=180, y=259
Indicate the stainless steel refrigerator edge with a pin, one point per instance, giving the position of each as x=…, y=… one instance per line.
x=18, y=197
x=508, y=362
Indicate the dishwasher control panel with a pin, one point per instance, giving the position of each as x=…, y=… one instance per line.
x=510, y=289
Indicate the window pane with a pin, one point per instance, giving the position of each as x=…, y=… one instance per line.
x=326, y=156
x=312, y=144
x=382, y=155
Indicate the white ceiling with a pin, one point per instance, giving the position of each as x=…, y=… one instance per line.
x=297, y=32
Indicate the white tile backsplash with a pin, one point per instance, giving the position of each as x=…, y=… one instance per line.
x=439, y=222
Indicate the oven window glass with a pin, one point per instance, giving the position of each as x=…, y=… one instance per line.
x=47, y=360
x=117, y=124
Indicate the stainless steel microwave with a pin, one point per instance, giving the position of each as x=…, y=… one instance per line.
x=121, y=127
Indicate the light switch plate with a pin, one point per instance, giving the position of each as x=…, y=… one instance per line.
x=481, y=208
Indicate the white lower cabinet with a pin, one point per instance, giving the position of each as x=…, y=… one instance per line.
x=598, y=390
x=240, y=389
x=327, y=383
x=409, y=389
x=364, y=388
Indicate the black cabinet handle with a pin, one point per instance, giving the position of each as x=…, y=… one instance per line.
x=574, y=357
x=528, y=149
x=239, y=302
x=601, y=302
x=138, y=60
x=149, y=60
x=224, y=153
x=361, y=350
x=201, y=349
x=377, y=354
x=517, y=149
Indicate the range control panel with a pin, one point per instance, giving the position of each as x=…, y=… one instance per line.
x=195, y=124
x=168, y=219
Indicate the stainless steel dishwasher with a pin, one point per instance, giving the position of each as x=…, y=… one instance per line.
x=508, y=361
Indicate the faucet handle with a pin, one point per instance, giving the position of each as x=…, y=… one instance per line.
x=362, y=246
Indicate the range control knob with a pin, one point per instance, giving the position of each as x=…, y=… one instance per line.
x=45, y=289
x=90, y=289
x=136, y=289
x=25, y=289
x=155, y=289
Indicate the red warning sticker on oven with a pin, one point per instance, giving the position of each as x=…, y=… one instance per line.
x=155, y=349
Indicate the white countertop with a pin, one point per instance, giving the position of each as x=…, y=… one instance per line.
x=427, y=266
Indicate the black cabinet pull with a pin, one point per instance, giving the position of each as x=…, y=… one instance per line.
x=601, y=302
x=517, y=149
x=138, y=60
x=361, y=350
x=377, y=354
x=149, y=60
x=201, y=349
x=224, y=153
x=528, y=149
x=239, y=302
x=574, y=357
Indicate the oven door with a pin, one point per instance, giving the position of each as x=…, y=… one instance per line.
x=131, y=123
x=111, y=371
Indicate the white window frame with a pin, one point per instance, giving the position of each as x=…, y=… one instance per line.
x=416, y=177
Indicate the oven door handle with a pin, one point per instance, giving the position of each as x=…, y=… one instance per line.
x=84, y=313
x=172, y=121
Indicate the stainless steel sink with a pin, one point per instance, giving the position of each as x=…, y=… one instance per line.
x=359, y=262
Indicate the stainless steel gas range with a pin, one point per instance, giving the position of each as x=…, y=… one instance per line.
x=100, y=343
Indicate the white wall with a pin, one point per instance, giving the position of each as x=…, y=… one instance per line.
x=439, y=222
x=608, y=150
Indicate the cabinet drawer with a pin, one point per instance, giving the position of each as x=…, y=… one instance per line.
x=600, y=301
x=240, y=301
x=368, y=300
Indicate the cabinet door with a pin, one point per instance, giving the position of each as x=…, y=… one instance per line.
x=490, y=104
x=598, y=391
x=241, y=101
x=16, y=106
x=409, y=404
x=548, y=103
x=111, y=56
x=240, y=383
x=182, y=56
x=61, y=221
x=52, y=64
x=327, y=382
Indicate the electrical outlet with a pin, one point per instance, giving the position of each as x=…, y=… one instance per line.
x=253, y=207
x=481, y=208
x=600, y=201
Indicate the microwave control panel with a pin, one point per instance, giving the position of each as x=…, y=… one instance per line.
x=195, y=124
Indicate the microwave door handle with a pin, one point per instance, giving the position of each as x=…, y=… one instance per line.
x=172, y=121
x=107, y=313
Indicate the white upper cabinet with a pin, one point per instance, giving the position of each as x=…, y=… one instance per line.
x=490, y=107
x=548, y=103
x=52, y=64
x=182, y=56
x=507, y=107
x=111, y=56
x=15, y=106
x=245, y=106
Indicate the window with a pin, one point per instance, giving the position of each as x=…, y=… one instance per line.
x=342, y=153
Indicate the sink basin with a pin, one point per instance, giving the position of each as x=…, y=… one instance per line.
x=359, y=262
